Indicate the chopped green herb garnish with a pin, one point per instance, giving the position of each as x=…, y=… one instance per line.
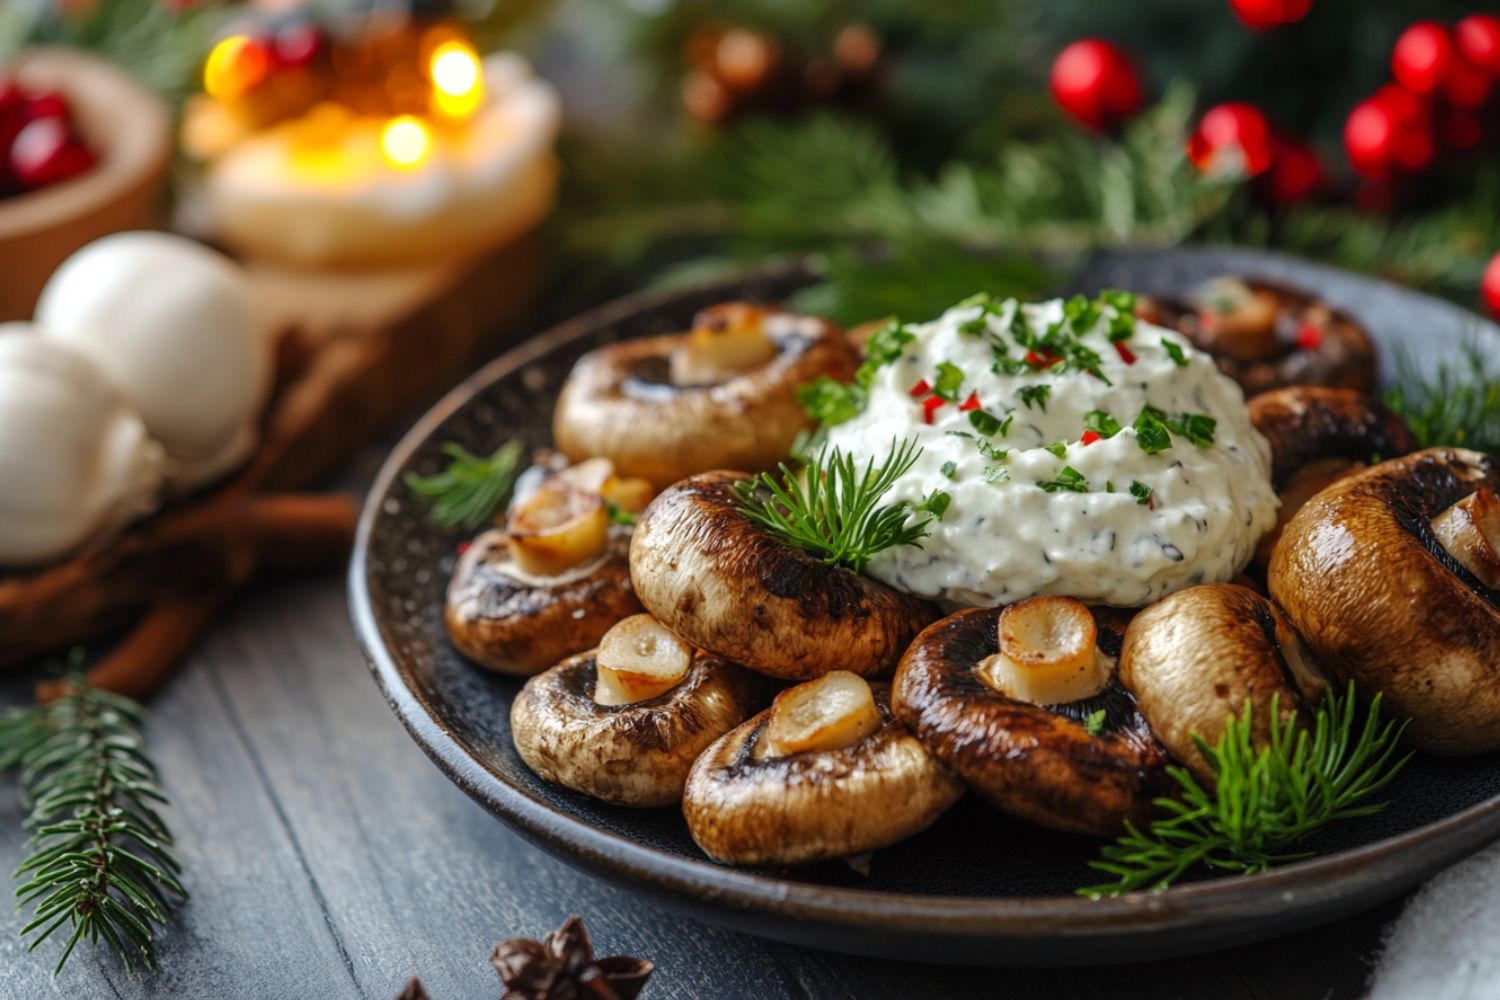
x=1094, y=724
x=883, y=347
x=950, y=380
x=831, y=402
x=996, y=474
x=1101, y=423
x=984, y=422
x=1109, y=486
x=1196, y=427
x=1058, y=448
x=1151, y=431
x=1175, y=352
x=1069, y=479
x=936, y=503
x=1036, y=394
x=1141, y=492
x=618, y=514
x=950, y=469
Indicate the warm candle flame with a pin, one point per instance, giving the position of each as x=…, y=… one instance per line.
x=406, y=141
x=457, y=79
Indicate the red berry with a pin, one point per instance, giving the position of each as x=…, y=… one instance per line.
x=1296, y=173
x=1391, y=131
x=1466, y=85
x=1261, y=14
x=47, y=105
x=45, y=152
x=1490, y=285
x=1478, y=38
x=1232, y=136
x=1422, y=56
x=1407, y=107
x=1095, y=83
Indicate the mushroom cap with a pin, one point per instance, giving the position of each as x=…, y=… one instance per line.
x=817, y=804
x=1343, y=357
x=1033, y=761
x=1365, y=581
x=506, y=621
x=619, y=403
x=1307, y=424
x=636, y=754
x=712, y=576
x=1194, y=659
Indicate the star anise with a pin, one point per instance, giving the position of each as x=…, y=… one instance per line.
x=563, y=967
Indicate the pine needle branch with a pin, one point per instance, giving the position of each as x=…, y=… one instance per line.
x=1265, y=801
x=100, y=866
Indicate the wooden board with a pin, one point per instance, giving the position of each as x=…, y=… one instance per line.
x=355, y=350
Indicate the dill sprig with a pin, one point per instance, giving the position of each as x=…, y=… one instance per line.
x=1264, y=802
x=833, y=509
x=1457, y=405
x=469, y=491
x=100, y=865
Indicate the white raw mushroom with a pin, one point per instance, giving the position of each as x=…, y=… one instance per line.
x=173, y=325
x=75, y=459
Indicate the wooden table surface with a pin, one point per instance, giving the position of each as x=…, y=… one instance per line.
x=328, y=859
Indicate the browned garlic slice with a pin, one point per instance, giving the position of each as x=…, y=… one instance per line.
x=725, y=341
x=833, y=712
x=557, y=527
x=1048, y=653
x=639, y=658
x=1470, y=531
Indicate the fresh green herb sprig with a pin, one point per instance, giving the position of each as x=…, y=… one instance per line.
x=468, y=492
x=100, y=866
x=1458, y=405
x=1264, y=802
x=833, y=509
x=831, y=402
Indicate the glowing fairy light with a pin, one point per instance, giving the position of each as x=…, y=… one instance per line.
x=457, y=79
x=406, y=141
x=235, y=65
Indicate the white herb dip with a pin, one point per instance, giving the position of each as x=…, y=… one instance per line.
x=1119, y=525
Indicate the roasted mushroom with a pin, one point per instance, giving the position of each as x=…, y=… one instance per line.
x=707, y=571
x=554, y=580
x=824, y=773
x=1319, y=435
x=1388, y=576
x=625, y=722
x=1266, y=335
x=1024, y=704
x=1194, y=659
x=723, y=395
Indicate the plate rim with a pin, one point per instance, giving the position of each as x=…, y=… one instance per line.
x=1382, y=868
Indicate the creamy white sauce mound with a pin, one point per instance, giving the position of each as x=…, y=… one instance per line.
x=1005, y=536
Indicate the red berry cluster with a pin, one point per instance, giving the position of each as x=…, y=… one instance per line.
x=1263, y=14
x=1445, y=86
x=38, y=142
x=1237, y=138
x=1096, y=84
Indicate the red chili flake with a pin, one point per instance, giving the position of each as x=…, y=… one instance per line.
x=972, y=403
x=1309, y=336
x=1208, y=320
x=463, y=547
x=1045, y=360
x=922, y=388
x=930, y=406
x=1126, y=354
x=1089, y=437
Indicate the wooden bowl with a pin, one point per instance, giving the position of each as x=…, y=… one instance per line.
x=129, y=130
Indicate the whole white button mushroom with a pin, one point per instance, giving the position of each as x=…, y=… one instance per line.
x=172, y=324
x=75, y=460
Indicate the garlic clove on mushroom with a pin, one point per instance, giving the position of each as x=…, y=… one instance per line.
x=173, y=325
x=1470, y=532
x=75, y=460
x=1237, y=321
x=1048, y=653
x=556, y=528
x=833, y=712
x=639, y=659
x=725, y=341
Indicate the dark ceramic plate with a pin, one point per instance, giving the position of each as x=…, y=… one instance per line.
x=976, y=887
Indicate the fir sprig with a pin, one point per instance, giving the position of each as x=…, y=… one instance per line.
x=833, y=509
x=1458, y=405
x=100, y=866
x=469, y=491
x=1264, y=803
